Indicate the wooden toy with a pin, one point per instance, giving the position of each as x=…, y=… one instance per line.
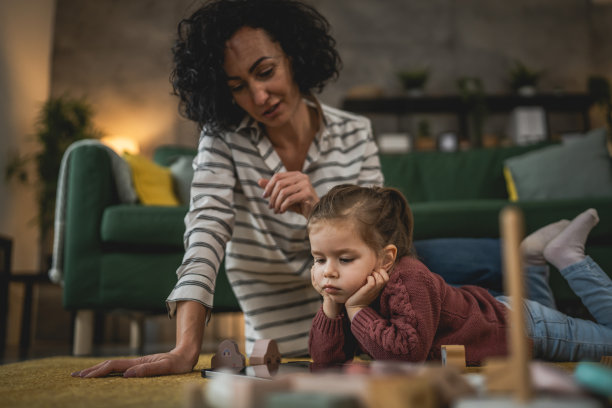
x=310, y=400
x=253, y=393
x=265, y=351
x=400, y=392
x=448, y=383
x=595, y=377
x=513, y=373
x=194, y=396
x=228, y=356
x=454, y=355
x=373, y=391
x=263, y=370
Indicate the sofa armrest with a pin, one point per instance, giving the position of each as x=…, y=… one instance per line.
x=90, y=189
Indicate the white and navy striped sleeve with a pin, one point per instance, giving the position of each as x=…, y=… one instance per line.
x=209, y=223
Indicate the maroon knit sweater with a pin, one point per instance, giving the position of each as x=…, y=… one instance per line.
x=415, y=314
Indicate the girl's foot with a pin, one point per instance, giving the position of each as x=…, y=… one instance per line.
x=567, y=247
x=533, y=245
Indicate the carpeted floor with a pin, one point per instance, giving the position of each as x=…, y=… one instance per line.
x=47, y=383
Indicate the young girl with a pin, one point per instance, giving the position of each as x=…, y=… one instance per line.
x=378, y=297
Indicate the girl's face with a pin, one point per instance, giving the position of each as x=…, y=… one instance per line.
x=259, y=77
x=342, y=260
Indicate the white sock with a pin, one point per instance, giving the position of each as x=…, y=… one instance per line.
x=533, y=245
x=567, y=247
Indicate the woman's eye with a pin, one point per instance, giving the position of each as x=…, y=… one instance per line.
x=346, y=260
x=319, y=261
x=236, y=88
x=266, y=73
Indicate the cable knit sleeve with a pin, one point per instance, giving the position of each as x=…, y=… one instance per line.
x=331, y=340
x=411, y=299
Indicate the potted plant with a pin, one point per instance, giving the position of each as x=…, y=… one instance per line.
x=61, y=121
x=524, y=80
x=424, y=139
x=413, y=82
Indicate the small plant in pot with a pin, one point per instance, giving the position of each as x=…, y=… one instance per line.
x=524, y=80
x=61, y=121
x=424, y=139
x=414, y=81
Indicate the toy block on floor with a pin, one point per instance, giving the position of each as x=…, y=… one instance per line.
x=454, y=356
x=265, y=351
x=228, y=356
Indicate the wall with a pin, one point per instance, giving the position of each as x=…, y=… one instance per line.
x=118, y=54
x=568, y=39
x=26, y=33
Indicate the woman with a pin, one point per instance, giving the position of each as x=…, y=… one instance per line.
x=246, y=71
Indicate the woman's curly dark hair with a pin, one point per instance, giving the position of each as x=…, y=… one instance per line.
x=198, y=77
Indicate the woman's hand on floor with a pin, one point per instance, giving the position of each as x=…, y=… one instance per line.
x=146, y=366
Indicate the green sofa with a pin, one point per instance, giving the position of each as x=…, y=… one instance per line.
x=124, y=256
x=120, y=256
x=460, y=194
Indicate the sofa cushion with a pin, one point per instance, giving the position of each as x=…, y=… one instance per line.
x=449, y=176
x=168, y=154
x=144, y=225
x=480, y=218
x=182, y=176
x=153, y=183
x=576, y=169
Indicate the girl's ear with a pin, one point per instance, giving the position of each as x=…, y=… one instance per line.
x=389, y=253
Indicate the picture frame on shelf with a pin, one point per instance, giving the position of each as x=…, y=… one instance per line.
x=394, y=143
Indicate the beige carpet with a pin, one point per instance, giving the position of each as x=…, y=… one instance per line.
x=47, y=382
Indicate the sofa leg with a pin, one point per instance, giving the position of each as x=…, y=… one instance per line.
x=83, y=333
x=136, y=334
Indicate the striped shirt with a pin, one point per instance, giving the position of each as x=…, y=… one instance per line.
x=267, y=255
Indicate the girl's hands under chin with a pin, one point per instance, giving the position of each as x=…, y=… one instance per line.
x=367, y=293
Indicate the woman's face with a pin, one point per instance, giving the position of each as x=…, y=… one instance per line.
x=259, y=77
x=342, y=260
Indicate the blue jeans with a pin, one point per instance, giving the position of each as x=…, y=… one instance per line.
x=477, y=261
x=558, y=337
x=464, y=261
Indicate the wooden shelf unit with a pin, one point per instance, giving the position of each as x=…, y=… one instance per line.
x=455, y=104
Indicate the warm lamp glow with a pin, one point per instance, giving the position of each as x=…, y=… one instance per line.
x=121, y=144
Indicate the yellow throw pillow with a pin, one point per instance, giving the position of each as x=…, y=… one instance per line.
x=510, y=186
x=152, y=182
